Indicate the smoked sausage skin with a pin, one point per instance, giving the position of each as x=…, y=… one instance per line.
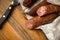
x=47, y=9
x=35, y=8
x=29, y=3
x=37, y=21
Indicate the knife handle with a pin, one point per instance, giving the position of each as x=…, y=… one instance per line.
x=5, y=15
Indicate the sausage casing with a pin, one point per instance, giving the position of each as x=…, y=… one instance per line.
x=47, y=9
x=37, y=21
x=29, y=3
x=34, y=9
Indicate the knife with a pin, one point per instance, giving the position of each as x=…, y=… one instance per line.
x=8, y=11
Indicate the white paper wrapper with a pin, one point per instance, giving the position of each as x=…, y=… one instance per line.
x=51, y=30
x=56, y=2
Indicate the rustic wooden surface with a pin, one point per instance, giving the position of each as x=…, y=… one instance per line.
x=14, y=27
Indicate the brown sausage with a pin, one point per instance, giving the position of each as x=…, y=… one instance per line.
x=47, y=9
x=37, y=21
x=29, y=3
x=34, y=9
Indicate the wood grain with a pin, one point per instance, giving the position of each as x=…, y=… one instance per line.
x=14, y=27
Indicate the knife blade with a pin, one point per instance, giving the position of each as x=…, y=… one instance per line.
x=8, y=11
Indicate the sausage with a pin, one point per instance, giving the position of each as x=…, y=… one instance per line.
x=26, y=3
x=29, y=3
x=47, y=9
x=34, y=9
x=37, y=21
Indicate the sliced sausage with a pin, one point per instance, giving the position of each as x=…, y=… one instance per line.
x=29, y=3
x=34, y=9
x=37, y=21
x=47, y=9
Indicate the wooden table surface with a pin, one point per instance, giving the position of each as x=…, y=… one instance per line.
x=14, y=27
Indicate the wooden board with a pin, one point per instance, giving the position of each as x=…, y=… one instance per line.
x=14, y=27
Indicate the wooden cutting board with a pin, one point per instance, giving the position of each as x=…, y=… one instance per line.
x=14, y=27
